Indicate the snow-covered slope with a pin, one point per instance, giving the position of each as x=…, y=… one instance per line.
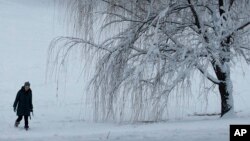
x=26, y=29
x=201, y=130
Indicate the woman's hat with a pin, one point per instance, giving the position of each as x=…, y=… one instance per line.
x=27, y=83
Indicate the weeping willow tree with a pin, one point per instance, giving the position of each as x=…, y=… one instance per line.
x=146, y=50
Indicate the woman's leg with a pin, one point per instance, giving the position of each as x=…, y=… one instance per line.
x=26, y=121
x=18, y=120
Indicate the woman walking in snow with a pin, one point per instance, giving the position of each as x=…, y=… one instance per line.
x=23, y=104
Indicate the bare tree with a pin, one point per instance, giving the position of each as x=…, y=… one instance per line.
x=148, y=49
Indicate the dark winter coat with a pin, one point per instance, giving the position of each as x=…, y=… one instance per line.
x=23, y=102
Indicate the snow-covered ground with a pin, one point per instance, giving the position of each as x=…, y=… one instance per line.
x=193, y=130
x=26, y=29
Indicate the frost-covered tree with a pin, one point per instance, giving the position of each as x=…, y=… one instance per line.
x=149, y=49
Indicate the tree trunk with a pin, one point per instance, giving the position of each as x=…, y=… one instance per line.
x=222, y=72
x=225, y=89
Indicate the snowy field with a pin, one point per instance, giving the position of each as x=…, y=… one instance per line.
x=26, y=29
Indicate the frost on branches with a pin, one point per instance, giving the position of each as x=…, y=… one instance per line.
x=148, y=49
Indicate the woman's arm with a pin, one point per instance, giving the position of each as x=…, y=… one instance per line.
x=16, y=100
